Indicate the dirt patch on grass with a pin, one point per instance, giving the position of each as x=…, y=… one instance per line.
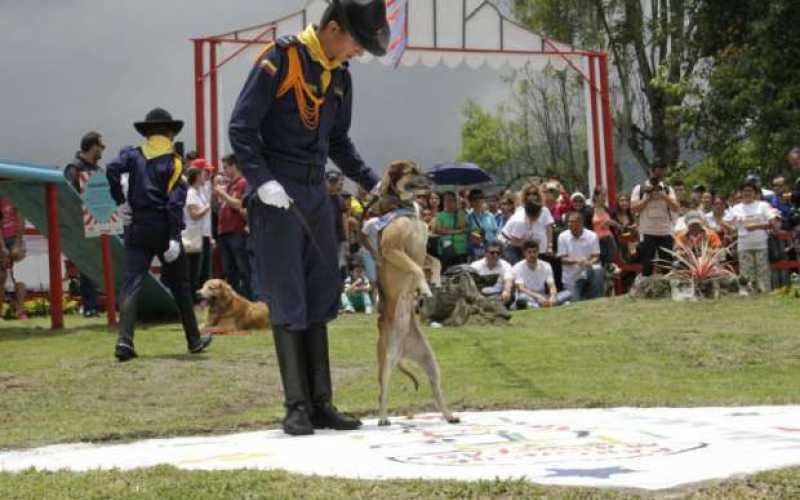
x=10, y=382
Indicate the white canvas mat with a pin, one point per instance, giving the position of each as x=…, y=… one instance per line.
x=650, y=448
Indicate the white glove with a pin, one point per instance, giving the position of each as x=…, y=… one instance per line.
x=173, y=251
x=125, y=214
x=272, y=193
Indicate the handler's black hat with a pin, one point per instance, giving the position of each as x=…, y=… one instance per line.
x=366, y=21
x=158, y=117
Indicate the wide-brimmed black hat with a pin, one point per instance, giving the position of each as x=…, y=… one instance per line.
x=158, y=117
x=366, y=21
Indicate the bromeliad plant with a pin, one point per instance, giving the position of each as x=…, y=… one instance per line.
x=700, y=264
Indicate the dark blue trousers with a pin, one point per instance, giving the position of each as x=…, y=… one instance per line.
x=295, y=256
x=139, y=253
x=236, y=263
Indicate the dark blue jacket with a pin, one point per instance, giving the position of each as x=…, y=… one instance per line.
x=267, y=134
x=153, y=201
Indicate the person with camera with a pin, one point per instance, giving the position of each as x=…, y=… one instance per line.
x=152, y=208
x=657, y=206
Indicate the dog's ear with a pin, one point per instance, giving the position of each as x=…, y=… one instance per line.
x=394, y=172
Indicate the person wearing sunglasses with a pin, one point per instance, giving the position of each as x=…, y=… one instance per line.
x=86, y=164
x=496, y=275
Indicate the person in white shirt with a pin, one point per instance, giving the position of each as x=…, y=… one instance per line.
x=531, y=222
x=536, y=286
x=752, y=219
x=658, y=207
x=579, y=250
x=197, y=233
x=493, y=265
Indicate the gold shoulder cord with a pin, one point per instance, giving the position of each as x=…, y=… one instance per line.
x=295, y=80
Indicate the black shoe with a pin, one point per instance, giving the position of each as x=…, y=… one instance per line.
x=297, y=422
x=201, y=345
x=124, y=352
x=326, y=416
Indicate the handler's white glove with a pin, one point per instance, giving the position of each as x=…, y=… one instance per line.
x=272, y=193
x=173, y=251
x=125, y=214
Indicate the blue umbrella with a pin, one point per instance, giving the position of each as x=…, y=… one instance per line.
x=459, y=174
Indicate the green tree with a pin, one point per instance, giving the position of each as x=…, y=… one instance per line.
x=486, y=139
x=748, y=116
x=655, y=54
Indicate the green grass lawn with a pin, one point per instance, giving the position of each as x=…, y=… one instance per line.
x=66, y=387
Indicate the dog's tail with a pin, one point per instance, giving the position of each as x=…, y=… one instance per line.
x=402, y=368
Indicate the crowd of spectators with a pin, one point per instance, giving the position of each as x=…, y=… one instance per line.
x=540, y=246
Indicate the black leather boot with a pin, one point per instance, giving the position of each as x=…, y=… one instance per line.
x=324, y=414
x=194, y=341
x=292, y=362
x=124, y=349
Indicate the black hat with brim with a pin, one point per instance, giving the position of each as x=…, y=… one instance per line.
x=366, y=21
x=158, y=117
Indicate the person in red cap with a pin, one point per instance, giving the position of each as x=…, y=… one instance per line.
x=294, y=113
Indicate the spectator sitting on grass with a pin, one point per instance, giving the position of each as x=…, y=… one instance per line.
x=493, y=266
x=536, y=286
x=356, y=296
x=579, y=250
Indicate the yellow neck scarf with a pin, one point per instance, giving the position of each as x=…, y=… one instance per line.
x=157, y=145
x=310, y=39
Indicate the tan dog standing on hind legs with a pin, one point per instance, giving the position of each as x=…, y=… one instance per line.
x=402, y=257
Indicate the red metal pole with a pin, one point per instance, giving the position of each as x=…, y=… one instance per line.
x=54, y=257
x=213, y=91
x=108, y=277
x=608, y=131
x=199, y=100
x=598, y=174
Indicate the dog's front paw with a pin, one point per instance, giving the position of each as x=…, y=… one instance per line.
x=384, y=422
x=452, y=419
x=425, y=290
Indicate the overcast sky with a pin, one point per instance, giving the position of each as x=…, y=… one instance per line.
x=69, y=66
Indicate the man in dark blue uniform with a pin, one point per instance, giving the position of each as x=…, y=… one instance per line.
x=153, y=204
x=293, y=113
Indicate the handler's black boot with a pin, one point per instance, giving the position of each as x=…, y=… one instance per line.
x=124, y=350
x=292, y=362
x=194, y=341
x=324, y=414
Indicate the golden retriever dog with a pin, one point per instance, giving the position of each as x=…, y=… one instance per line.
x=228, y=310
x=401, y=275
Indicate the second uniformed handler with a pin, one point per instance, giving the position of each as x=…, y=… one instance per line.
x=154, y=201
x=292, y=115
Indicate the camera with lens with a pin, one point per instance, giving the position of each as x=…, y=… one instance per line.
x=654, y=186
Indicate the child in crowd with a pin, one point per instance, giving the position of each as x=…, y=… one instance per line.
x=356, y=295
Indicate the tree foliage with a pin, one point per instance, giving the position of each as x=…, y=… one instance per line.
x=748, y=114
x=653, y=44
x=539, y=132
